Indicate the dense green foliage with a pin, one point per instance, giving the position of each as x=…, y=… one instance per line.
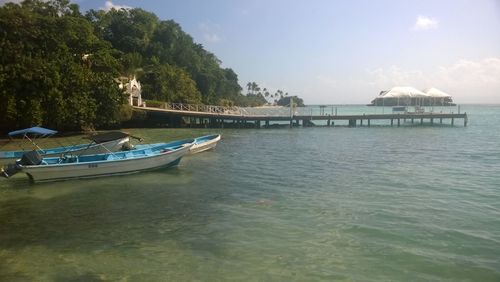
x=44, y=78
x=58, y=68
x=167, y=83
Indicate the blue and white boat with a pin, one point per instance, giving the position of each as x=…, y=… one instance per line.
x=201, y=144
x=205, y=143
x=87, y=166
x=100, y=143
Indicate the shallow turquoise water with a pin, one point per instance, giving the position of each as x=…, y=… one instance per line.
x=415, y=203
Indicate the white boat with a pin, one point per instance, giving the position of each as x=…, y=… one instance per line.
x=87, y=166
x=201, y=144
x=100, y=143
x=205, y=143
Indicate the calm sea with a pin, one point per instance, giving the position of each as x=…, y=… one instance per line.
x=414, y=203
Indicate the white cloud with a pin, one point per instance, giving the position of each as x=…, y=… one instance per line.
x=210, y=32
x=468, y=81
x=425, y=23
x=109, y=5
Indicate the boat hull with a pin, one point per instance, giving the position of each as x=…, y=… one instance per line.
x=205, y=143
x=41, y=173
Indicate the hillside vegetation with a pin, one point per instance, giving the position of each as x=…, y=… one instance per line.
x=59, y=67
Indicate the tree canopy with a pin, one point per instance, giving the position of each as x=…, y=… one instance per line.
x=44, y=78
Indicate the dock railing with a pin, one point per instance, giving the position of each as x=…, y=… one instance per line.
x=217, y=115
x=319, y=110
x=203, y=108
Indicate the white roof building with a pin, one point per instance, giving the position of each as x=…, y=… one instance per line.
x=406, y=95
x=436, y=93
x=403, y=92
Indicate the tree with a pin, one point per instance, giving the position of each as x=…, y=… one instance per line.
x=266, y=93
x=254, y=87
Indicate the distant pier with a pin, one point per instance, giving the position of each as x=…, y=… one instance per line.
x=180, y=115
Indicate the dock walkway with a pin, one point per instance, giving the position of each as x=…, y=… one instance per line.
x=215, y=116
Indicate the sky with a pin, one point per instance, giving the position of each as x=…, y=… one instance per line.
x=345, y=52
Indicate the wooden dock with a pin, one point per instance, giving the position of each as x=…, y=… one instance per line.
x=220, y=117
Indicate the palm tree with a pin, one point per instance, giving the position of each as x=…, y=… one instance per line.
x=254, y=87
x=249, y=86
x=281, y=94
